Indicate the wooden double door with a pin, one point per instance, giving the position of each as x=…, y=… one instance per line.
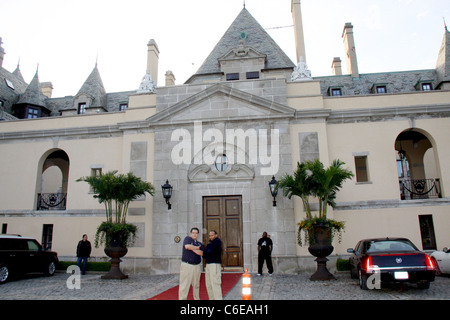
x=224, y=215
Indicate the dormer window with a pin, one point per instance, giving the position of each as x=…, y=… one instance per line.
x=27, y=111
x=424, y=85
x=33, y=113
x=81, y=108
x=335, y=91
x=10, y=84
x=123, y=106
x=379, y=88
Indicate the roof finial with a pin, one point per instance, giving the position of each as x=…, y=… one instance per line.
x=96, y=60
x=445, y=24
x=244, y=4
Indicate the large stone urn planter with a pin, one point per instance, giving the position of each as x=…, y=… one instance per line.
x=320, y=247
x=115, y=252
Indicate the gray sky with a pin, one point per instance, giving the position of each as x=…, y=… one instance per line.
x=65, y=37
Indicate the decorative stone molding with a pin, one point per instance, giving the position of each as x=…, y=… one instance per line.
x=301, y=71
x=147, y=84
x=241, y=50
x=204, y=172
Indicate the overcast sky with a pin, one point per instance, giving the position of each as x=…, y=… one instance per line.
x=65, y=37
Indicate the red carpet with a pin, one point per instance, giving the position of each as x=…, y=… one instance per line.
x=229, y=280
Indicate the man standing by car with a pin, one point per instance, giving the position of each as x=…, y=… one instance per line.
x=213, y=274
x=265, y=253
x=83, y=252
x=190, y=268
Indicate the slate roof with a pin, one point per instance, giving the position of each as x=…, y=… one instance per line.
x=33, y=93
x=112, y=102
x=16, y=90
x=93, y=86
x=443, y=63
x=396, y=82
x=18, y=74
x=257, y=38
x=10, y=95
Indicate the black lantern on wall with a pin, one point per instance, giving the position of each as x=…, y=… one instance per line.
x=273, y=190
x=167, y=193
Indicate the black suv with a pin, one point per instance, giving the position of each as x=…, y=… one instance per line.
x=20, y=255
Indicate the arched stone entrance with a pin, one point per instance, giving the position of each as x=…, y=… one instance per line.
x=52, y=182
x=418, y=170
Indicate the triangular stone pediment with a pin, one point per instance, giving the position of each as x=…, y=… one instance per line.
x=222, y=102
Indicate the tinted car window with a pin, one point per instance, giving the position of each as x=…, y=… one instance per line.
x=358, y=247
x=13, y=244
x=32, y=245
x=389, y=245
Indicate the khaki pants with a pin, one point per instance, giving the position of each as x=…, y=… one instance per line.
x=213, y=279
x=189, y=275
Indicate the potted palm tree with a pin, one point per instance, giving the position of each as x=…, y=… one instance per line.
x=312, y=179
x=116, y=191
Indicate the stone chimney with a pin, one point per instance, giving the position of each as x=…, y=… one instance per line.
x=336, y=66
x=47, y=89
x=349, y=44
x=170, y=78
x=2, y=53
x=296, y=9
x=153, y=59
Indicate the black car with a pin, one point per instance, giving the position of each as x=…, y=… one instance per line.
x=19, y=255
x=390, y=260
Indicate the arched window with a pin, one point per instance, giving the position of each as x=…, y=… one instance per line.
x=416, y=166
x=53, y=178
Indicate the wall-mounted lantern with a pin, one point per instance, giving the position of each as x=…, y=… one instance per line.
x=167, y=193
x=273, y=190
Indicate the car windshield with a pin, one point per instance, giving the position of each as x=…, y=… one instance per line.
x=389, y=245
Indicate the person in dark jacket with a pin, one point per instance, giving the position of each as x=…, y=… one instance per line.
x=213, y=273
x=265, y=247
x=83, y=252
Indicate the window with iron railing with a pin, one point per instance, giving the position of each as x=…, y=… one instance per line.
x=51, y=201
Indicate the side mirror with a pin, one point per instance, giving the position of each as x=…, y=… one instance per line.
x=350, y=250
x=446, y=250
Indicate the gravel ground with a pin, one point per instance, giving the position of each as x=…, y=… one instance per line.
x=276, y=287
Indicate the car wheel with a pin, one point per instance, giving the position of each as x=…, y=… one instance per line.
x=362, y=281
x=50, y=268
x=4, y=273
